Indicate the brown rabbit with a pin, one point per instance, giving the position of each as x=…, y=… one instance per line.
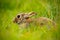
x=25, y=19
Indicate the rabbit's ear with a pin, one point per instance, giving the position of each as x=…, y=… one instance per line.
x=32, y=14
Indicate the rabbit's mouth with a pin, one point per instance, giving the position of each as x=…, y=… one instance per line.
x=19, y=22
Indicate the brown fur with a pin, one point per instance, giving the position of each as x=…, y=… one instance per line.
x=25, y=18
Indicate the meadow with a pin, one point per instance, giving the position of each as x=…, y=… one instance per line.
x=46, y=8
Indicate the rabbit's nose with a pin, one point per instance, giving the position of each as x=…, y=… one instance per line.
x=15, y=20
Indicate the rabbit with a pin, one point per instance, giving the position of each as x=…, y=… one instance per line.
x=24, y=19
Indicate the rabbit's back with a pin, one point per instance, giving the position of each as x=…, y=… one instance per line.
x=41, y=21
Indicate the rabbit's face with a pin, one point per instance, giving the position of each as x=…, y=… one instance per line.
x=18, y=19
x=22, y=18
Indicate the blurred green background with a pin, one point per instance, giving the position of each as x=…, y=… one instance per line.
x=46, y=8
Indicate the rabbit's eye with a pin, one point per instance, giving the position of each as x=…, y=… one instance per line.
x=18, y=16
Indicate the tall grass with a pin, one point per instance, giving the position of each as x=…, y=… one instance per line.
x=46, y=8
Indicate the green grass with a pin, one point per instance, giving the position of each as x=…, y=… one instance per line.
x=10, y=8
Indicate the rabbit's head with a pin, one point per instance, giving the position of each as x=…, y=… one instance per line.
x=22, y=17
